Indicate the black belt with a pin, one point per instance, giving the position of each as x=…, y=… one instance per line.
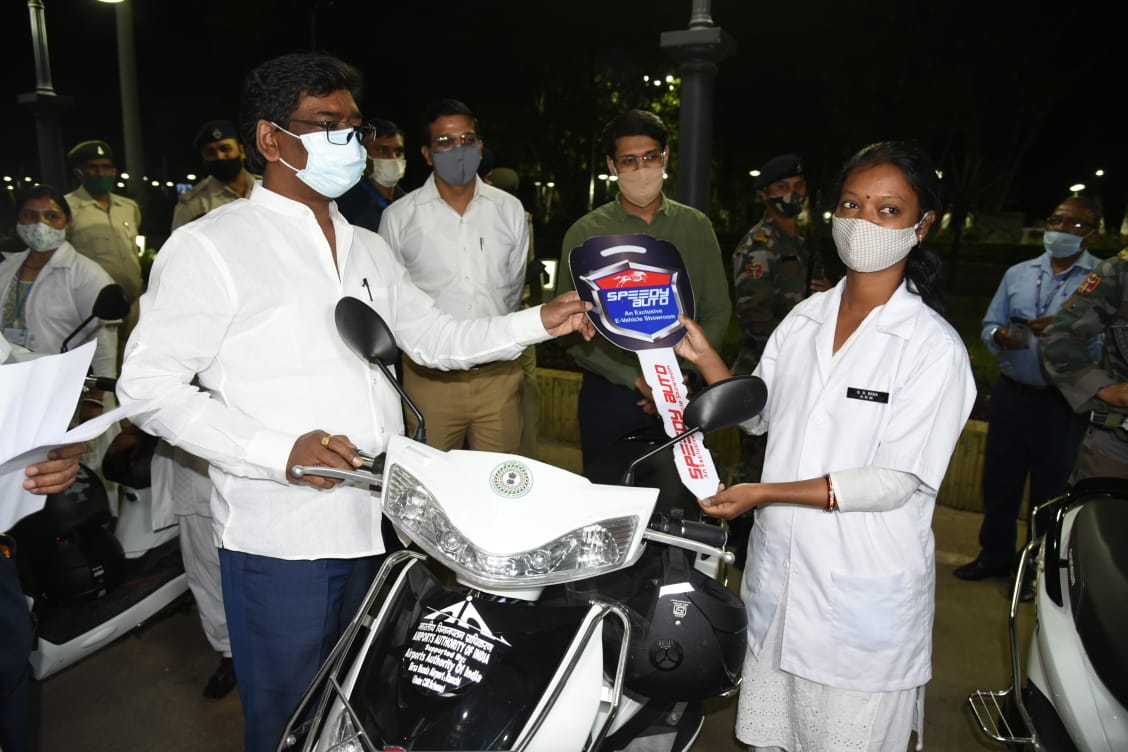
x=461, y=373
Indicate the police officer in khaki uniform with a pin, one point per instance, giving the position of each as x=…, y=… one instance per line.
x=773, y=269
x=227, y=179
x=104, y=225
x=1099, y=388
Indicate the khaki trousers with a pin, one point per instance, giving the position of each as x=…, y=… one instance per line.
x=476, y=409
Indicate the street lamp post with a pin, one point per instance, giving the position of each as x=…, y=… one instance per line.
x=130, y=102
x=697, y=50
x=45, y=104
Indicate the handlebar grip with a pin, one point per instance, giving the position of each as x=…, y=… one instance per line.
x=702, y=532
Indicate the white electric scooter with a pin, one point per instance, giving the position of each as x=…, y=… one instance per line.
x=532, y=609
x=1075, y=694
x=92, y=576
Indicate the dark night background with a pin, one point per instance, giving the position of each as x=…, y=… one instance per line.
x=1015, y=103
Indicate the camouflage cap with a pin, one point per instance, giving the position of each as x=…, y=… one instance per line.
x=214, y=130
x=88, y=150
x=778, y=168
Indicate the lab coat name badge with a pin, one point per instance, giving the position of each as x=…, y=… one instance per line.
x=637, y=285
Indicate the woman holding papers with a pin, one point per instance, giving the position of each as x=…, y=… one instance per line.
x=48, y=290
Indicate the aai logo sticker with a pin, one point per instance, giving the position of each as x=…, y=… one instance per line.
x=511, y=480
x=637, y=285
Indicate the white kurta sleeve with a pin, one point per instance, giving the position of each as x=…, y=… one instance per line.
x=185, y=315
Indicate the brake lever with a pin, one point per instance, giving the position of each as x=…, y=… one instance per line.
x=728, y=557
x=364, y=478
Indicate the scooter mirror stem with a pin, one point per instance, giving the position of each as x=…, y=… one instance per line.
x=110, y=305
x=628, y=476
x=368, y=335
x=420, y=434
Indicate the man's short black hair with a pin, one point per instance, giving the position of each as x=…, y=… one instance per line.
x=444, y=108
x=1087, y=203
x=382, y=128
x=274, y=89
x=634, y=123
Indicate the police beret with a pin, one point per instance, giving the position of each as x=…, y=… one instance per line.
x=778, y=168
x=214, y=130
x=88, y=150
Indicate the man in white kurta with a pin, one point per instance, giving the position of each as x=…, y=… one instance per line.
x=237, y=298
x=243, y=301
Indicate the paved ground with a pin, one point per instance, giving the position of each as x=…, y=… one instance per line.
x=143, y=693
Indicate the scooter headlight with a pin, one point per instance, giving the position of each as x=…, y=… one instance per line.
x=580, y=553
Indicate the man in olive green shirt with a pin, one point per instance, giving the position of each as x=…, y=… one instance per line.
x=614, y=397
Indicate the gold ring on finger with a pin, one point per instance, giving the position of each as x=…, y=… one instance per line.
x=326, y=439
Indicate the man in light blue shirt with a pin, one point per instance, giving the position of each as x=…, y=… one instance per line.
x=1032, y=430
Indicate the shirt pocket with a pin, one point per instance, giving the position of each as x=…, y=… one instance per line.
x=870, y=613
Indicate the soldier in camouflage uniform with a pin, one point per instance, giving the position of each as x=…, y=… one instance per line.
x=1100, y=305
x=773, y=269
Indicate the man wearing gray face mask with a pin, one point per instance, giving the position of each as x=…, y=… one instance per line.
x=465, y=243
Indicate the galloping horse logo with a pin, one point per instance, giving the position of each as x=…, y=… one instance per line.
x=622, y=280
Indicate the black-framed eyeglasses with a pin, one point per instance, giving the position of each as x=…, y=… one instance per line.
x=340, y=132
x=634, y=161
x=449, y=141
x=1065, y=223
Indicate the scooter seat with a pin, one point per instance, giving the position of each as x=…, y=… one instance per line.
x=1098, y=588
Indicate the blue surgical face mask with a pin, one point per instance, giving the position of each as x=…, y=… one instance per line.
x=331, y=169
x=1061, y=244
x=457, y=166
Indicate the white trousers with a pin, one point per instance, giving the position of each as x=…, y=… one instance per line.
x=201, y=565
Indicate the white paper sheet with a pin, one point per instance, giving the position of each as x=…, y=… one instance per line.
x=37, y=402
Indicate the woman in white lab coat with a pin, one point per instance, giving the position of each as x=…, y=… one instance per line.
x=868, y=390
x=48, y=290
